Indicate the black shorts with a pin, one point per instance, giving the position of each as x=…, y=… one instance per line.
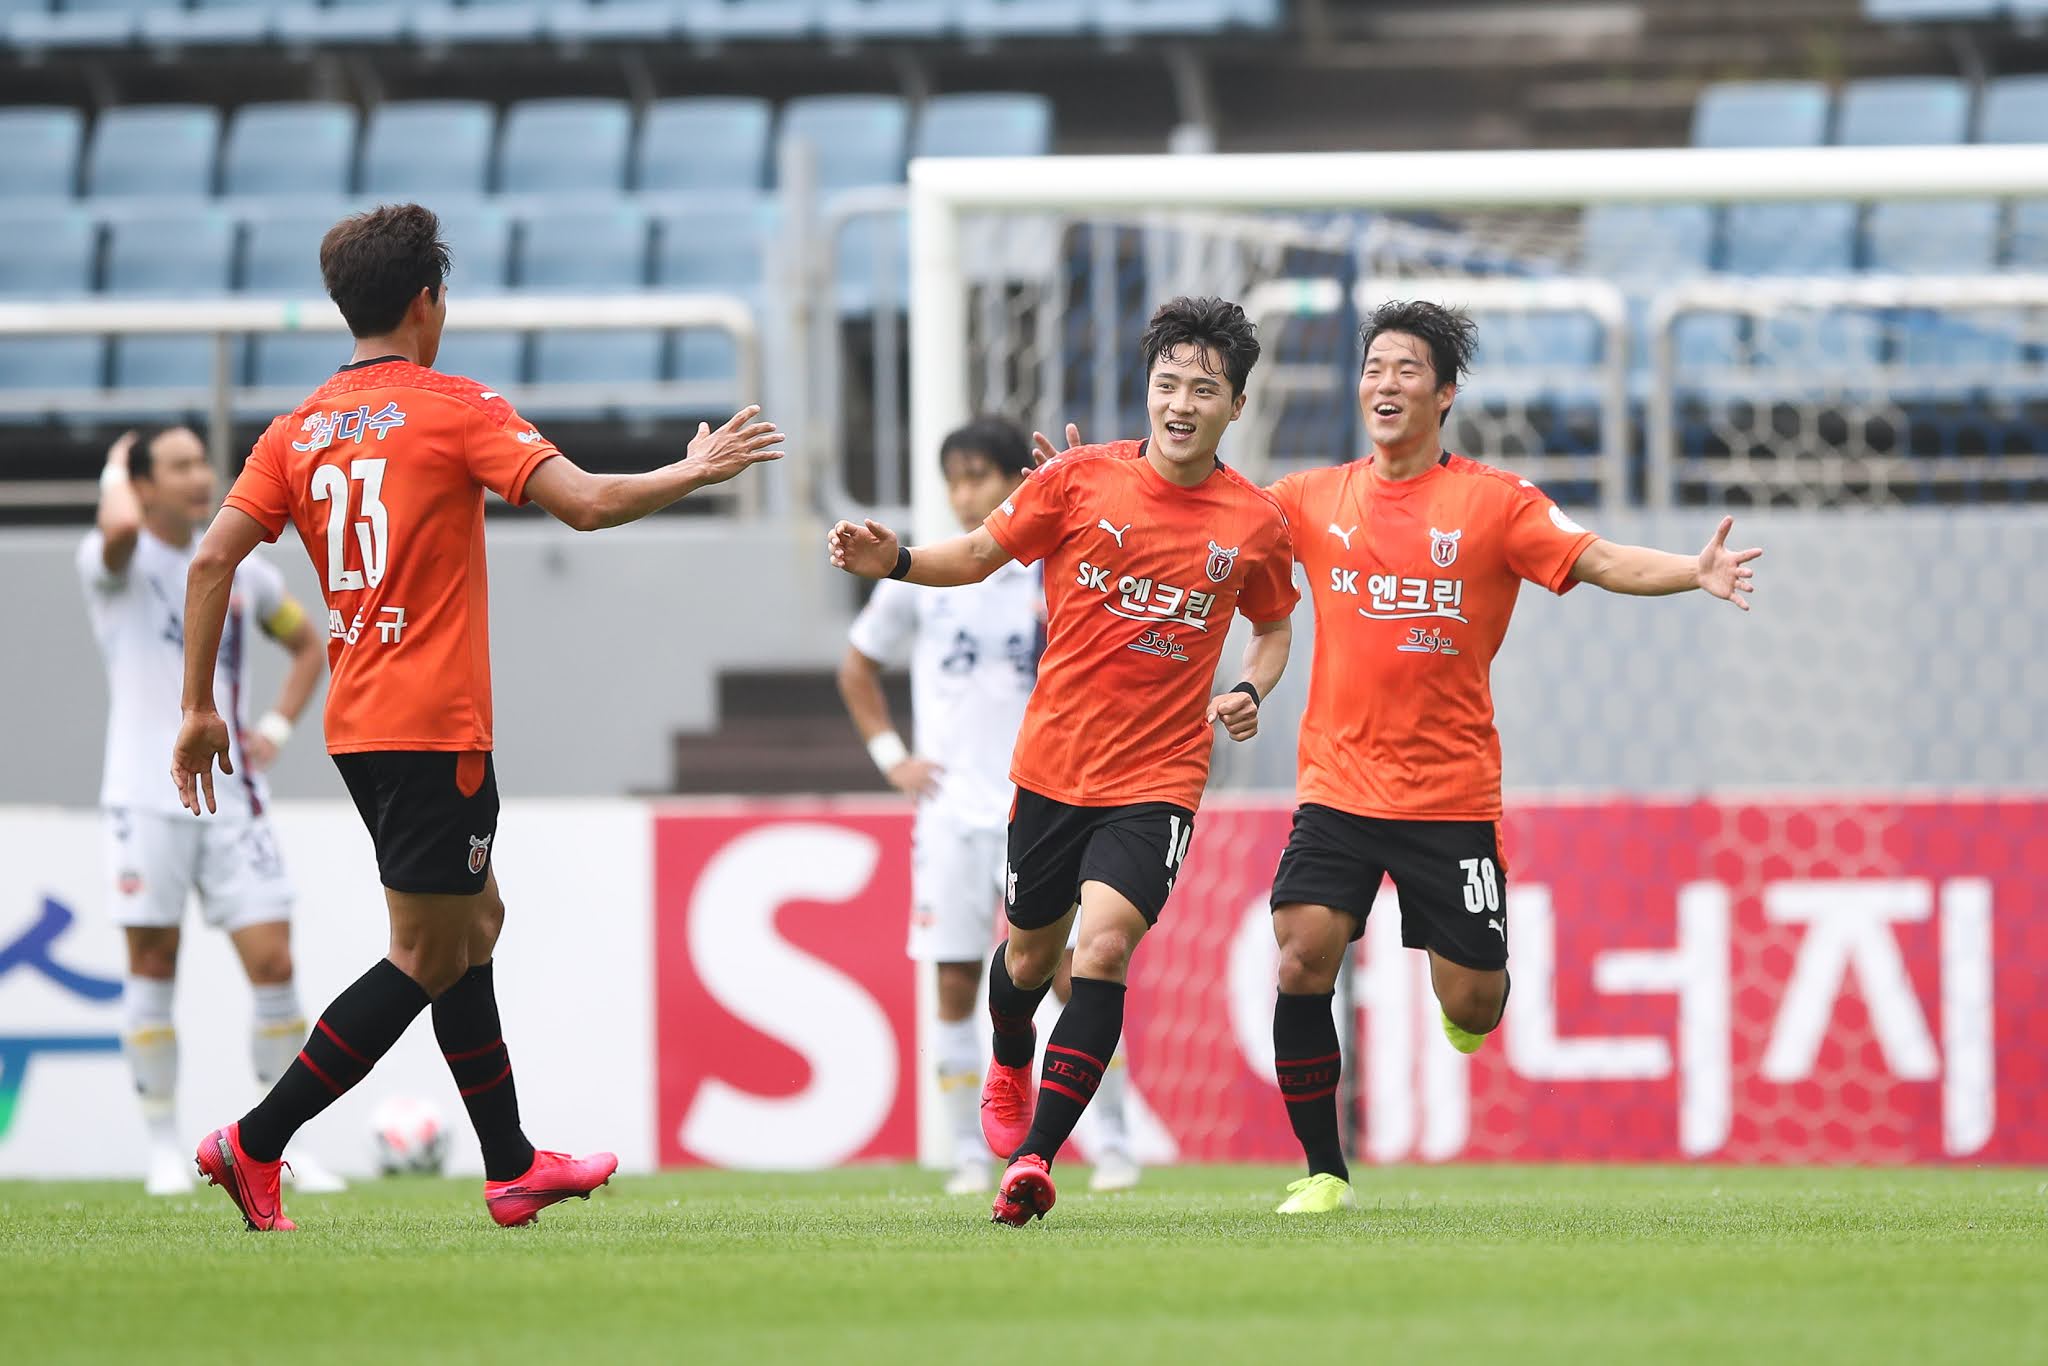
x=431, y=814
x=1136, y=850
x=1450, y=874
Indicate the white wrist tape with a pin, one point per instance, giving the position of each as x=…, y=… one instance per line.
x=112, y=475
x=274, y=727
x=887, y=750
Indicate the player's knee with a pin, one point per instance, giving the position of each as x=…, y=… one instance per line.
x=1307, y=966
x=156, y=961
x=1473, y=1006
x=486, y=926
x=1104, y=955
x=1032, y=965
x=271, y=966
x=958, y=985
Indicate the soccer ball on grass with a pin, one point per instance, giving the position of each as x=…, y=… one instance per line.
x=409, y=1137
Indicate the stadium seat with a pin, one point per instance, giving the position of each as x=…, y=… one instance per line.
x=50, y=252
x=42, y=143
x=853, y=20
x=1932, y=237
x=650, y=21
x=1761, y=114
x=709, y=143
x=156, y=150
x=2015, y=110
x=494, y=358
x=991, y=19
x=2027, y=245
x=1647, y=242
x=984, y=126
x=1791, y=239
x=721, y=248
x=589, y=250
x=1931, y=11
x=341, y=22
x=478, y=21
x=281, y=258
x=1126, y=18
x=714, y=21
x=857, y=139
x=1256, y=13
x=83, y=24
x=427, y=147
x=211, y=23
x=296, y=149
x=479, y=238
x=565, y=145
x=1552, y=357
x=871, y=264
x=1903, y=111
x=172, y=254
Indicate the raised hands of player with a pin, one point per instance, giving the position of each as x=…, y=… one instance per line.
x=202, y=738
x=1041, y=444
x=866, y=548
x=1726, y=573
x=915, y=777
x=720, y=453
x=1238, y=712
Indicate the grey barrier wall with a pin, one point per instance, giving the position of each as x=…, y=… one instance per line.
x=1887, y=648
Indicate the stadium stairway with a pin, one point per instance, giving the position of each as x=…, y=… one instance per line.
x=782, y=732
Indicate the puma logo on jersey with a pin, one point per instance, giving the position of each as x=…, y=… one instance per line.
x=1117, y=532
x=1342, y=534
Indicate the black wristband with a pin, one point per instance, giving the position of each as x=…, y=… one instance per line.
x=1250, y=691
x=902, y=569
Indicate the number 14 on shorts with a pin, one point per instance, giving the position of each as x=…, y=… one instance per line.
x=1482, y=892
x=1179, y=834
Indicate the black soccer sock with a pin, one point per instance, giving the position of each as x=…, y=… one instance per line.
x=1010, y=1008
x=466, y=1027
x=359, y=1027
x=1308, y=1063
x=1076, y=1056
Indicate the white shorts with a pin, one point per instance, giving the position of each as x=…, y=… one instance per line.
x=157, y=860
x=956, y=877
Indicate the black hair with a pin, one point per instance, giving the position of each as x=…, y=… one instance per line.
x=1000, y=439
x=142, y=454
x=1449, y=333
x=1215, y=324
x=375, y=264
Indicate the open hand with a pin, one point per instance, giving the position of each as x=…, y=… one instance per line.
x=1041, y=444
x=202, y=738
x=719, y=454
x=1726, y=573
x=1238, y=713
x=915, y=777
x=867, y=549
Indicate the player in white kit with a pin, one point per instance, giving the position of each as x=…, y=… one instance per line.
x=156, y=492
x=973, y=654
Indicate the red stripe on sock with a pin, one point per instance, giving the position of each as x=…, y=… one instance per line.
x=337, y=1041
x=1089, y=1058
x=1291, y=1100
x=1070, y=1094
x=1308, y=1062
x=478, y=1090
x=314, y=1068
x=474, y=1052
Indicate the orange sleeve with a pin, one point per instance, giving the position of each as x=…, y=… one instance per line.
x=1269, y=593
x=260, y=490
x=1033, y=519
x=1287, y=493
x=1542, y=543
x=502, y=456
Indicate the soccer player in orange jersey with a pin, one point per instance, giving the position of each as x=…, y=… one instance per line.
x=383, y=470
x=1414, y=558
x=1149, y=547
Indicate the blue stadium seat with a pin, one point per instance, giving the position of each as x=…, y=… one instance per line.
x=1125, y=18
x=857, y=139
x=709, y=143
x=50, y=254
x=1791, y=239
x=478, y=21
x=1557, y=356
x=281, y=258
x=1761, y=114
x=721, y=248
x=984, y=126
x=649, y=21
x=871, y=264
x=1257, y=13
x=162, y=150
x=1647, y=242
x=1954, y=355
x=2027, y=246
x=853, y=20
x=171, y=254
x=217, y=23
x=42, y=143
x=1931, y=11
x=565, y=144
x=494, y=358
x=83, y=24
x=479, y=238
x=341, y=22
x=1903, y=111
x=1932, y=237
x=714, y=21
x=2015, y=110
x=992, y=19
x=589, y=250
x=428, y=148
x=295, y=148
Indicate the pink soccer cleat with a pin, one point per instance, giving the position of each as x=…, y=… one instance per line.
x=553, y=1177
x=254, y=1186
x=1006, y=1102
x=1026, y=1192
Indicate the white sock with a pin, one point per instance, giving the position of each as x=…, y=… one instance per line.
x=958, y=1044
x=277, y=1031
x=149, y=1040
x=1111, y=1130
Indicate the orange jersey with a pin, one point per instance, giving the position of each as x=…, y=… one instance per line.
x=1141, y=579
x=1414, y=583
x=383, y=469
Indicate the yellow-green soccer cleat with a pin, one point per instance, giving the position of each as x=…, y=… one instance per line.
x=1464, y=1040
x=1322, y=1193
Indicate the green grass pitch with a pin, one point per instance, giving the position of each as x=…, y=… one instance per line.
x=1517, y=1265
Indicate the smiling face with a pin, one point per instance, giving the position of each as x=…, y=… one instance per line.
x=1190, y=402
x=1398, y=394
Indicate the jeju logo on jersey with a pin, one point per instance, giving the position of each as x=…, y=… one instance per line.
x=1221, y=562
x=1443, y=547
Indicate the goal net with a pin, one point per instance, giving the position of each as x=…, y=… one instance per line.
x=1772, y=893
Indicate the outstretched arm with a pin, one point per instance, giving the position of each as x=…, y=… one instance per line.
x=871, y=550
x=1265, y=659
x=1645, y=573
x=204, y=735
x=591, y=502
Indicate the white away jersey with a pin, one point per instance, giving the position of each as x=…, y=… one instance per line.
x=138, y=617
x=973, y=654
